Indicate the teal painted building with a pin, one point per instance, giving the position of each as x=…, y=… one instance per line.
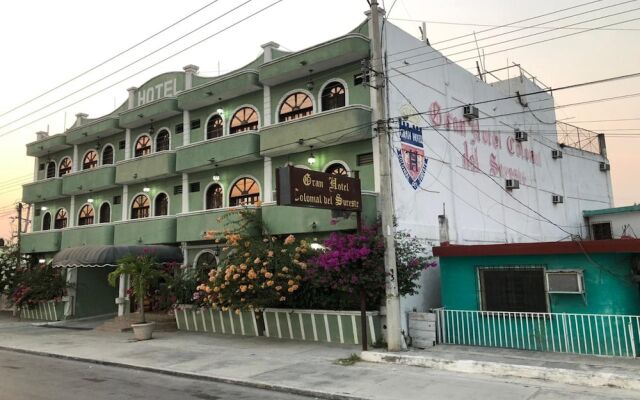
x=184, y=150
x=577, y=297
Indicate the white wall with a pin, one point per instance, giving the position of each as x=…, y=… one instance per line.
x=479, y=210
x=619, y=222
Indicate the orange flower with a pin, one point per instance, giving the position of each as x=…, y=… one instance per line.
x=269, y=283
x=252, y=274
x=243, y=288
x=236, y=276
x=291, y=282
x=257, y=260
x=243, y=267
x=216, y=289
x=270, y=253
x=285, y=269
x=268, y=275
x=290, y=239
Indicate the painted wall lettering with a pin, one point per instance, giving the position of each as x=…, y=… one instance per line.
x=164, y=89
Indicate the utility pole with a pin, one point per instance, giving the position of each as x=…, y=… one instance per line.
x=395, y=340
x=19, y=208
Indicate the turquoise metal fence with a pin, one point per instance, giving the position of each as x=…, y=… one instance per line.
x=592, y=334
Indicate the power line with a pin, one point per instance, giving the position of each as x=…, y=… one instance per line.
x=108, y=60
x=148, y=67
x=126, y=66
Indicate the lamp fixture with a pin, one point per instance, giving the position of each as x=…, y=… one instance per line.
x=42, y=261
x=312, y=159
x=220, y=111
x=146, y=189
x=90, y=201
x=216, y=175
x=43, y=208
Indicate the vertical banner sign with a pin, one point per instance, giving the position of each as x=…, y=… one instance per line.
x=411, y=154
x=306, y=188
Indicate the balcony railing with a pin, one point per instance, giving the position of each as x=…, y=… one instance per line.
x=591, y=334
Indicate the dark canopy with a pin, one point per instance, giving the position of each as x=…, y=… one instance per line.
x=108, y=256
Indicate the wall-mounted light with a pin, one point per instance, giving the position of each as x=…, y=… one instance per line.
x=216, y=177
x=220, y=111
x=43, y=208
x=90, y=201
x=146, y=189
x=42, y=261
x=312, y=159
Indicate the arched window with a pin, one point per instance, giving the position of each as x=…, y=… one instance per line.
x=46, y=222
x=51, y=169
x=61, y=219
x=245, y=191
x=245, y=119
x=107, y=155
x=143, y=146
x=214, y=197
x=90, y=160
x=65, y=166
x=140, y=207
x=295, y=106
x=86, y=215
x=205, y=262
x=162, y=140
x=337, y=169
x=214, y=127
x=333, y=96
x=161, y=204
x=105, y=212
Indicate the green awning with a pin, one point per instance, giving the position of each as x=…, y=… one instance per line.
x=108, y=256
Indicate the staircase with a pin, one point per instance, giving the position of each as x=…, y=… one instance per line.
x=164, y=322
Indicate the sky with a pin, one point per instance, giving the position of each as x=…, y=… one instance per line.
x=46, y=44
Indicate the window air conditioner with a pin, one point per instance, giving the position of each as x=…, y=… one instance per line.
x=521, y=136
x=512, y=184
x=604, y=166
x=470, y=112
x=565, y=281
x=555, y=154
x=557, y=199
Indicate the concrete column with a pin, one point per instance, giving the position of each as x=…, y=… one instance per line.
x=72, y=211
x=267, y=196
x=266, y=118
x=121, y=299
x=127, y=144
x=189, y=72
x=74, y=167
x=185, y=193
x=132, y=97
x=186, y=123
x=185, y=253
x=72, y=280
x=125, y=202
x=268, y=50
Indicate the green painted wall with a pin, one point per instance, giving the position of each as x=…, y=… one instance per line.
x=53, y=207
x=168, y=123
x=94, y=295
x=227, y=176
x=608, y=291
x=156, y=187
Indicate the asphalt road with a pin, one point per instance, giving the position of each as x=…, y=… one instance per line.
x=29, y=377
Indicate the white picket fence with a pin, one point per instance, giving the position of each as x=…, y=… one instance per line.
x=592, y=334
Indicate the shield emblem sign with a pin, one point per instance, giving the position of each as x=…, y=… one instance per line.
x=411, y=154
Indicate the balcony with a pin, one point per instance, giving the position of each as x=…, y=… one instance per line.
x=227, y=150
x=342, y=125
x=279, y=220
x=38, y=191
x=226, y=87
x=155, y=110
x=90, y=180
x=194, y=225
x=93, y=130
x=98, y=234
x=49, y=144
x=334, y=53
x=40, y=242
x=152, y=230
x=157, y=165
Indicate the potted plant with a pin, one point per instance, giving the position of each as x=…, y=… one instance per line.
x=143, y=271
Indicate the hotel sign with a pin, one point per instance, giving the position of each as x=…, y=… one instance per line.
x=305, y=188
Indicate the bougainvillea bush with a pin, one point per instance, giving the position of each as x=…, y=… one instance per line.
x=38, y=283
x=255, y=272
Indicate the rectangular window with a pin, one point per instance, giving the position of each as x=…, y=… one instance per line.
x=364, y=159
x=41, y=167
x=117, y=199
x=36, y=212
x=194, y=187
x=122, y=144
x=601, y=231
x=513, y=289
x=177, y=189
x=195, y=124
x=179, y=128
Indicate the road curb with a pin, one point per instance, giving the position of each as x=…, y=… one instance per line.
x=251, y=384
x=560, y=375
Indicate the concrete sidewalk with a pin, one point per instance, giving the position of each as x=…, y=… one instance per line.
x=295, y=367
